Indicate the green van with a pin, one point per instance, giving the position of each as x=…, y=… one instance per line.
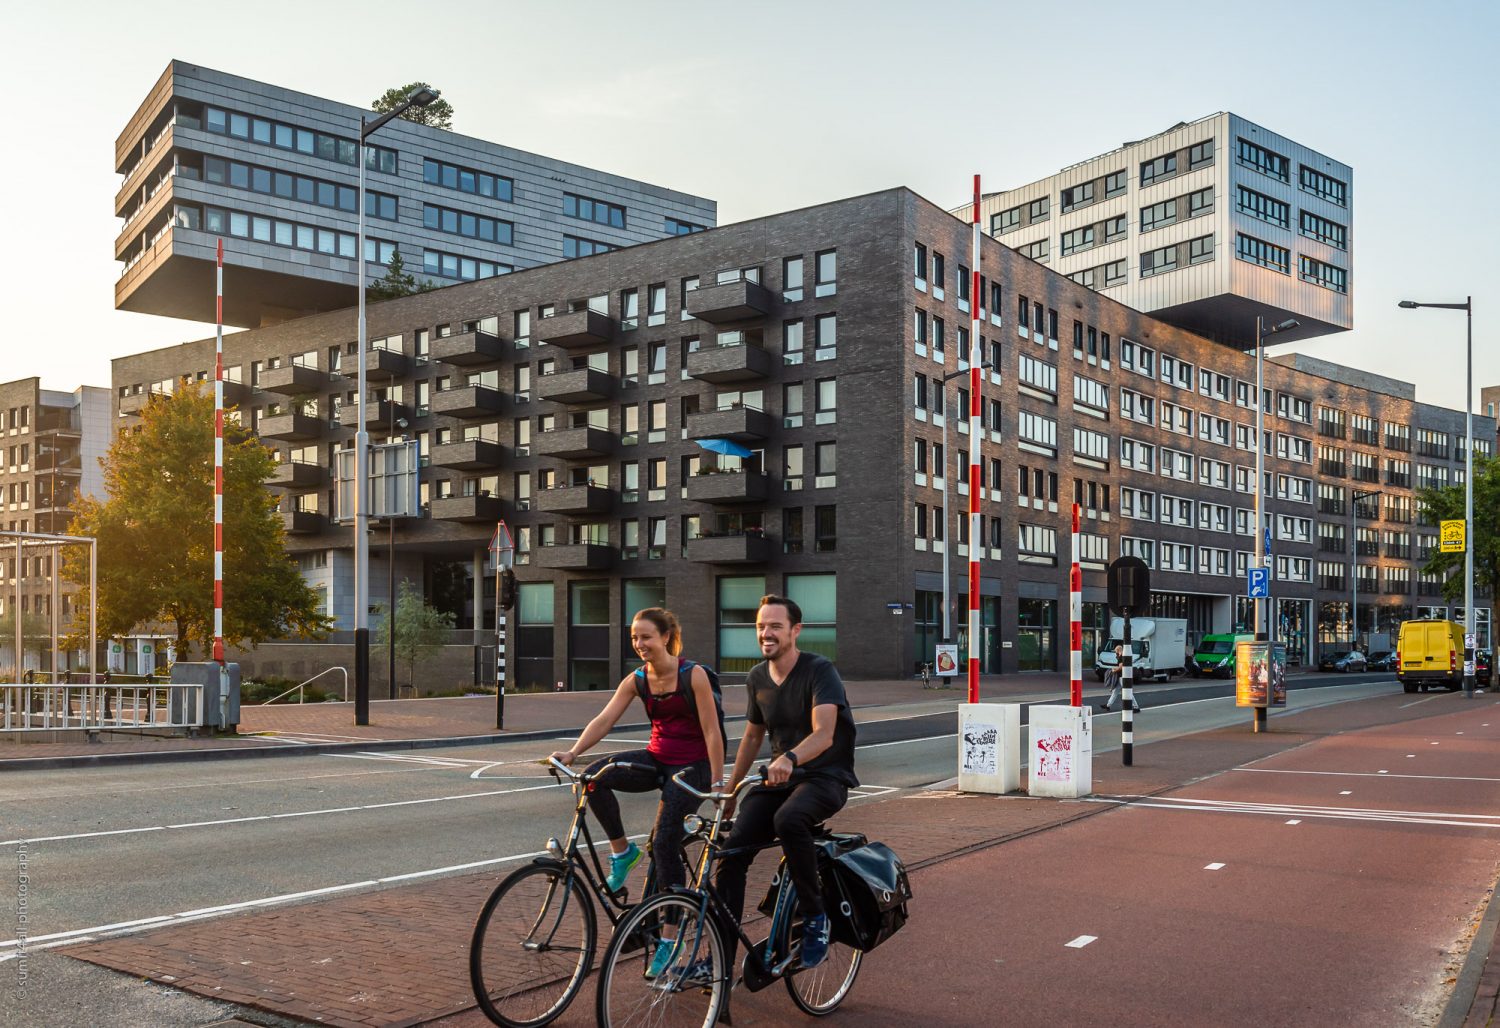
x=1214, y=656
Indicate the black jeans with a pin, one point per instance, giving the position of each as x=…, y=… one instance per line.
x=676, y=803
x=788, y=814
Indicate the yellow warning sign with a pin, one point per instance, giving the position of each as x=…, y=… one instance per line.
x=1452, y=539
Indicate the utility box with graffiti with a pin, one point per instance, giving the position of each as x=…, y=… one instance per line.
x=1062, y=751
x=989, y=747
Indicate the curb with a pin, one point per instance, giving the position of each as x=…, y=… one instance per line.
x=1466, y=989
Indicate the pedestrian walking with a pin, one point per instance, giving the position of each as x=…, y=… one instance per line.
x=1112, y=678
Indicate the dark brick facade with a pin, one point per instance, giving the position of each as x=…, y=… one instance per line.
x=875, y=555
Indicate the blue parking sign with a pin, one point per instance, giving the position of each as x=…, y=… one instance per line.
x=1259, y=585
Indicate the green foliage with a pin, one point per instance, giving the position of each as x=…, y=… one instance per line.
x=156, y=534
x=398, y=281
x=438, y=114
x=1447, y=504
x=420, y=629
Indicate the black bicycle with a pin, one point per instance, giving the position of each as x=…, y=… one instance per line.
x=694, y=988
x=534, y=941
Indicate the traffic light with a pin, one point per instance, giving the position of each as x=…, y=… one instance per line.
x=507, y=589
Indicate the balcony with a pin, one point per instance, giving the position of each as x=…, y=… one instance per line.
x=292, y=380
x=574, y=443
x=727, y=487
x=381, y=414
x=133, y=404
x=576, y=329
x=297, y=475
x=729, y=363
x=301, y=522
x=468, y=455
x=290, y=427
x=467, y=402
x=730, y=549
x=575, y=499
x=575, y=557
x=467, y=348
x=474, y=508
x=732, y=301
x=581, y=385
x=740, y=423
x=384, y=365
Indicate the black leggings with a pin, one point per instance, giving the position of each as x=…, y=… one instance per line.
x=790, y=815
x=676, y=803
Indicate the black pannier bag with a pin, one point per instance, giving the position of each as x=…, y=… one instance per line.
x=865, y=889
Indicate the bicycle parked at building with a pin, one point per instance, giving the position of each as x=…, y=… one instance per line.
x=694, y=989
x=533, y=944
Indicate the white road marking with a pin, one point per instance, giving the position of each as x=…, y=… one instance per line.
x=1215, y=866
x=1294, y=821
x=1081, y=941
x=1425, y=699
x=1347, y=792
x=1422, y=817
x=1362, y=774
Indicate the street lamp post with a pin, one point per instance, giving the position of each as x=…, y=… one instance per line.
x=1262, y=530
x=1468, y=308
x=390, y=567
x=420, y=97
x=1354, y=498
x=947, y=587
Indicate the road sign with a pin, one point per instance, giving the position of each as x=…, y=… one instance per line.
x=895, y=608
x=392, y=477
x=1268, y=540
x=1452, y=537
x=1258, y=583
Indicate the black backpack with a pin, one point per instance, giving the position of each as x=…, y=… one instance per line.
x=685, y=686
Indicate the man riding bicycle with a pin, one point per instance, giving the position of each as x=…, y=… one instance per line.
x=798, y=698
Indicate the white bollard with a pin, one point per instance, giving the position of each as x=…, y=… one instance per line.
x=1061, y=761
x=989, y=747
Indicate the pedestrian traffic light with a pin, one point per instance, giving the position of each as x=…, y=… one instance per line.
x=507, y=589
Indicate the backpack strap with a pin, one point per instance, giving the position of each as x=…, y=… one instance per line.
x=685, y=684
x=643, y=688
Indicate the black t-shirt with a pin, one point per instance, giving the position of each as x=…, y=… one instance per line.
x=785, y=711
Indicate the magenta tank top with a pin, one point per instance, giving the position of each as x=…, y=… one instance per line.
x=676, y=735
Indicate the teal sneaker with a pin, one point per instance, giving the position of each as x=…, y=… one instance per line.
x=620, y=866
x=665, y=950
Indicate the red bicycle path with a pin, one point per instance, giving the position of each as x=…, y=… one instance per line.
x=1353, y=915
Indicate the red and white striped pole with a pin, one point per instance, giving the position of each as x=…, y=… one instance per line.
x=976, y=528
x=218, y=654
x=1075, y=623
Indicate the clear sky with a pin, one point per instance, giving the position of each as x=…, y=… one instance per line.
x=774, y=105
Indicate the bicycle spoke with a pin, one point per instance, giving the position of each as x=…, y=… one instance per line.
x=687, y=993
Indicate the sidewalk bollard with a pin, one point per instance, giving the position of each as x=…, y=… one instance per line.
x=1127, y=701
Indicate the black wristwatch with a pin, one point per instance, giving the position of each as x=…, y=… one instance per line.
x=792, y=756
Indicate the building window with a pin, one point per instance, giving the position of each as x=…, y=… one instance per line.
x=1161, y=168
x=467, y=180
x=826, y=474
x=1267, y=162
x=1077, y=196
x=1263, y=207
x=1320, y=274
x=1325, y=186
x=1114, y=183
x=678, y=227
x=450, y=265
x=577, y=246
x=1258, y=251
x=1077, y=240
x=1324, y=231
x=1201, y=154
x=586, y=208
x=825, y=337
x=791, y=279
x=1005, y=221
x=825, y=529
x=827, y=271
x=489, y=230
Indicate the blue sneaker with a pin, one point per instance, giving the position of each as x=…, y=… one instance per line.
x=620, y=866
x=665, y=950
x=815, y=933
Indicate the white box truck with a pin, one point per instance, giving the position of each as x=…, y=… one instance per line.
x=1159, y=645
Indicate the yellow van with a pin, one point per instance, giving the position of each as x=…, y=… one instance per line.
x=1430, y=652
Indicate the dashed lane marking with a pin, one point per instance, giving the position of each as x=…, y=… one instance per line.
x=1081, y=941
x=1294, y=821
x=1215, y=866
x=1364, y=774
x=1302, y=812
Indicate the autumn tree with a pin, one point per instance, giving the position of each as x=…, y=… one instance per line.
x=155, y=533
x=438, y=114
x=1447, y=504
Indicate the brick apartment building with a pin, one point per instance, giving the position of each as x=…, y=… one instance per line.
x=570, y=400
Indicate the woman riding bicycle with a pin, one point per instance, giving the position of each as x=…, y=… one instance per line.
x=684, y=736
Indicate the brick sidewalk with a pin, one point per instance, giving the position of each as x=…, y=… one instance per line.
x=331, y=961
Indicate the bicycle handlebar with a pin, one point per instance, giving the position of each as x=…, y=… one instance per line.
x=554, y=766
x=754, y=778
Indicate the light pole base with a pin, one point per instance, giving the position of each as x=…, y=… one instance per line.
x=361, y=676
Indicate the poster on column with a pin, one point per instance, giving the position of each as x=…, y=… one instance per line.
x=947, y=659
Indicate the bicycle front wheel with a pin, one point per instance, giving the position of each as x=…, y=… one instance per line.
x=533, y=944
x=693, y=981
x=818, y=991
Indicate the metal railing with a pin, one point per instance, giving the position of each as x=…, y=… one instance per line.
x=37, y=708
x=300, y=686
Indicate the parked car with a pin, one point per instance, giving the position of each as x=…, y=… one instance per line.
x=1431, y=654
x=1343, y=661
x=1382, y=660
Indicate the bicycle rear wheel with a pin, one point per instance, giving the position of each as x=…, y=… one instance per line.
x=692, y=988
x=532, y=946
x=818, y=991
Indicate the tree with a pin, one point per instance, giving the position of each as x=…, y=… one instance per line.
x=398, y=281
x=438, y=114
x=156, y=539
x=1447, y=504
x=420, y=629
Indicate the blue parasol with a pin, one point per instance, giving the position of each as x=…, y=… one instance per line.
x=725, y=446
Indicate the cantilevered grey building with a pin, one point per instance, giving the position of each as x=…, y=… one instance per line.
x=1204, y=226
x=273, y=172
